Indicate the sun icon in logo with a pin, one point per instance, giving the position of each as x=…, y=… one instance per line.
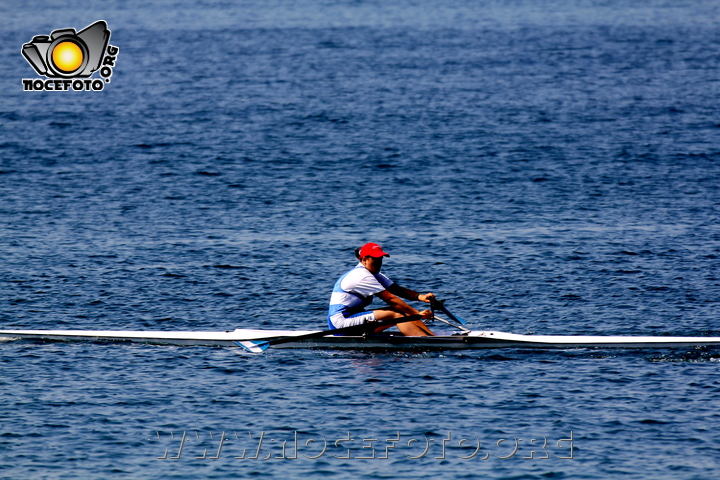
x=67, y=56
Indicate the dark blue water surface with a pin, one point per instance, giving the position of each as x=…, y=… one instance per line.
x=547, y=167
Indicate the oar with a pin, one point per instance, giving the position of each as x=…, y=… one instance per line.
x=440, y=305
x=452, y=324
x=259, y=346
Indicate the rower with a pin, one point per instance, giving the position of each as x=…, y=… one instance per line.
x=354, y=291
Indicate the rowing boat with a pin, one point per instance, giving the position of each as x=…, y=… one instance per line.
x=445, y=341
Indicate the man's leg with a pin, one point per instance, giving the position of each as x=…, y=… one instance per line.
x=415, y=328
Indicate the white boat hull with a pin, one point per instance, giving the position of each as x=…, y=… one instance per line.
x=468, y=340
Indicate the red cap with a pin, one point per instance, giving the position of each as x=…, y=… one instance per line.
x=372, y=250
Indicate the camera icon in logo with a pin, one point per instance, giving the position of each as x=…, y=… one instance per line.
x=66, y=53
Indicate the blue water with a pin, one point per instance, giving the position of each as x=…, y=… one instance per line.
x=547, y=167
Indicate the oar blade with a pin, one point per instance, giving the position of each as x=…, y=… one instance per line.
x=440, y=305
x=460, y=320
x=254, y=346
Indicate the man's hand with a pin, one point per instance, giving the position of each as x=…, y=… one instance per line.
x=427, y=298
x=427, y=314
